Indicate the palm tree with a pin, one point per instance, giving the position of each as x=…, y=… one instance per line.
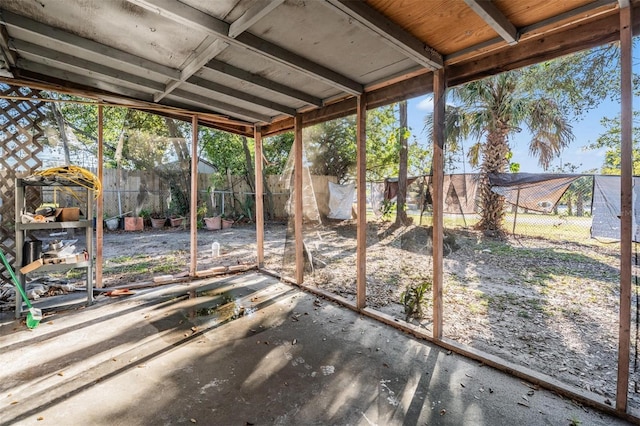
x=494, y=109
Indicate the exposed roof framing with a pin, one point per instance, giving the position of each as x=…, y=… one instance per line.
x=187, y=15
x=532, y=29
x=84, y=48
x=390, y=32
x=215, y=87
x=251, y=16
x=240, y=63
x=211, y=49
x=214, y=46
x=496, y=19
x=258, y=80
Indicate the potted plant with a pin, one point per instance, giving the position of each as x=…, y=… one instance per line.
x=176, y=221
x=213, y=223
x=226, y=223
x=133, y=223
x=178, y=207
x=157, y=220
x=146, y=217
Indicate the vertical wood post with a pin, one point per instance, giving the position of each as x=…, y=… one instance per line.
x=100, y=200
x=259, y=197
x=626, y=193
x=193, y=216
x=297, y=201
x=361, y=182
x=439, y=87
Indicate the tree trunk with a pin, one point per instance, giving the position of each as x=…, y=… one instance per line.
x=270, y=208
x=63, y=133
x=494, y=160
x=184, y=159
x=179, y=143
x=401, y=211
x=580, y=205
x=569, y=207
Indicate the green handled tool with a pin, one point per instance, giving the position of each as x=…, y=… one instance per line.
x=35, y=315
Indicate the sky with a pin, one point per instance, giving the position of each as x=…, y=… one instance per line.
x=586, y=131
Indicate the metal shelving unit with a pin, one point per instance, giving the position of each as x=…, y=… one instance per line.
x=22, y=228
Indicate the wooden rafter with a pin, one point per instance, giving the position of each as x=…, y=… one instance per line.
x=390, y=32
x=495, y=18
x=187, y=15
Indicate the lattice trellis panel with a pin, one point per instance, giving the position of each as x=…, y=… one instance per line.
x=20, y=148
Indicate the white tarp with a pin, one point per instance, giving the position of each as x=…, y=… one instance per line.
x=340, y=200
x=606, y=208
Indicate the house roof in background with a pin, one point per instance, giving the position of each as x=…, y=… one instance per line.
x=241, y=63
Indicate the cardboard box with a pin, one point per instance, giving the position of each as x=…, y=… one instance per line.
x=67, y=214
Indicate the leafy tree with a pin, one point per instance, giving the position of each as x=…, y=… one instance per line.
x=578, y=82
x=275, y=150
x=224, y=150
x=610, y=140
x=383, y=145
x=142, y=136
x=491, y=110
x=331, y=148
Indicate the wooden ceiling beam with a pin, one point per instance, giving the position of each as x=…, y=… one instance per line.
x=213, y=48
x=258, y=80
x=495, y=18
x=538, y=49
x=76, y=63
x=82, y=47
x=207, y=102
x=390, y=32
x=172, y=109
x=237, y=94
x=251, y=16
x=526, y=52
x=63, y=61
x=187, y=15
x=529, y=30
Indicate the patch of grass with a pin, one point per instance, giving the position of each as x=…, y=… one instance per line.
x=480, y=307
x=120, y=259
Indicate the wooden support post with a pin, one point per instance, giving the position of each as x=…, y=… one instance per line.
x=259, y=197
x=361, y=181
x=439, y=87
x=100, y=200
x=193, y=214
x=297, y=201
x=626, y=194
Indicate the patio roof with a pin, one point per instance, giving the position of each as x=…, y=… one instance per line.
x=239, y=63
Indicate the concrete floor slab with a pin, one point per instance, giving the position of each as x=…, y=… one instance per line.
x=250, y=350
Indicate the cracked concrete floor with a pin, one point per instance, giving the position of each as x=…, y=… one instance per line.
x=250, y=350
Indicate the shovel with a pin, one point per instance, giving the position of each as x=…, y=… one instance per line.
x=35, y=315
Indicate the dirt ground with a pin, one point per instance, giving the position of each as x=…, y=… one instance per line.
x=551, y=306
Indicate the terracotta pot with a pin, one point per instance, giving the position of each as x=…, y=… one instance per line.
x=176, y=221
x=226, y=224
x=133, y=224
x=213, y=223
x=158, y=223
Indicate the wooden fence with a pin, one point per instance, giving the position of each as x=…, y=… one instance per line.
x=130, y=192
